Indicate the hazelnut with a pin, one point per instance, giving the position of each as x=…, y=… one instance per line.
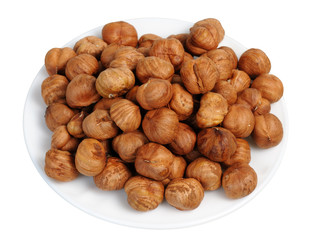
x=239, y=180
x=213, y=108
x=53, y=89
x=60, y=165
x=90, y=157
x=144, y=194
x=126, y=115
x=107, y=146
x=144, y=51
x=250, y=97
x=106, y=103
x=184, y=193
x=126, y=57
x=177, y=169
x=191, y=48
x=187, y=56
x=176, y=79
x=182, y=37
x=263, y=108
x=268, y=131
x=191, y=156
x=254, y=62
x=56, y=60
x=147, y=40
x=216, y=23
x=207, y=172
x=114, y=175
x=218, y=144
x=233, y=56
x=62, y=140
x=90, y=45
x=74, y=126
x=115, y=82
x=161, y=125
x=131, y=94
x=242, y=153
x=108, y=54
x=240, y=80
x=270, y=87
x=227, y=91
x=57, y=114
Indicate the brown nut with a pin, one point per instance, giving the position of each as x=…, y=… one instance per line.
x=254, y=62
x=216, y=23
x=191, y=48
x=240, y=80
x=227, y=91
x=126, y=115
x=144, y=194
x=126, y=57
x=263, y=108
x=106, y=103
x=115, y=82
x=184, y=193
x=90, y=158
x=213, y=108
x=62, y=140
x=114, y=175
x=233, y=56
x=187, y=56
x=108, y=54
x=242, y=154
x=239, y=180
x=56, y=60
x=218, y=144
x=160, y=125
x=53, y=89
x=90, y=45
x=147, y=40
x=74, y=126
x=182, y=37
x=268, y=131
x=177, y=169
x=207, y=172
x=191, y=156
x=250, y=97
x=131, y=94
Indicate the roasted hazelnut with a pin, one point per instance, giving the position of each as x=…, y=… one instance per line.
x=184, y=193
x=227, y=91
x=239, y=120
x=99, y=125
x=241, y=155
x=154, y=67
x=108, y=54
x=254, y=62
x=213, y=108
x=191, y=48
x=250, y=97
x=240, y=80
x=233, y=56
x=186, y=57
x=115, y=82
x=218, y=144
x=160, y=125
x=216, y=23
x=268, y=131
x=207, y=172
x=131, y=94
x=182, y=37
x=114, y=175
x=62, y=140
x=156, y=93
x=56, y=60
x=270, y=87
x=126, y=115
x=263, y=108
x=60, y=165
x=57, y=114
x=147, y=40
x=74, y=126
x=53, y=89
x=126, y=57
x=239, y=180
x=106, y=103
x=144, y=194
x=199, y=75
x=144, y=51
x=90, y=45
x=107, y=146
x=90, y=158
x=177, y=169
x=191, y=156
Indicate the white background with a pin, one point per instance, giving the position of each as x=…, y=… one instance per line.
x=29, y=208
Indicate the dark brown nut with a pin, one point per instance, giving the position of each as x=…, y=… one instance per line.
x=154, y=161
x=90, y=45
x=144, y=194
x=120, y=32
x=114, y=175
x=62, y=140
x=239, y=180
x=107, y=146
x=239, y=120
x=218, y=144
x=213, y=108
x=270, y=87
x=131, y=94
x=184, y=141
x=156, y=93
x=99, y=125
x=115, y=82
x=60, y=165
x=191, y=48
x=126, y=57
x=126, y=115
x=207, y=172
x=182, y=37
x=263, y=108
x=250, y=97
x=160, y=125
x=53, y=89
x=90, y=158
x=242, y=154
x=154, y=67
x=240, y=80
x=176, y=79
x=254, y=62
x=233, y=56
x=191, y=156
x=74, y=126
x=227, y=91
x=147, y=40
x=216, y=23
x=268, y=131
x=56, y=60
x=199, y=75
x=106, y=103
x=108, y=54
x=184, y=193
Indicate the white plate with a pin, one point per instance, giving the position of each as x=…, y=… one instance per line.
x=113, y=206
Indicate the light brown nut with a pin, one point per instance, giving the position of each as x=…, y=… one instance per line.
x=240, y=80
x=108, y=54
x=263, y=108
x=126, y=56
x=106, y=103
x=90, y=45
x=62, y=140
x=233, y=56
x=242, y=153
x=53, y=89
x=216, y=23
x=182, y=37
x=227, y=91
x=250, y=97
x=147, y=40
x=191, y=48
x=177, y=169
x=74, y=126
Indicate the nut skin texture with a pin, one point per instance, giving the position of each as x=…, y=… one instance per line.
x=242, y=154
x=270, y=87
x=147, y=40
x=182, y=37
x=126, y=115
x=232, y=54
x=207, y=172
x=90, y=158
x=106, y=103
x=115, y=82
x=114, y=175
x=108, y=54
x=199, y=75
x=263, y=108
x=254, y=62
x=240, y=80
x=74, y=126
x=227, y=91
x=250, y=97
x=60, y=165
x=177, y=169
x=191, y=156
x=184, y=193
x=127, y=57
x=268, y=131
x=120, y=32
x=131, y=94
x=218, y=144
x=90, y=45
x=239, y=180
x=62, y=140
x=144, y=194
x=53, y=89
x=191, y=48
x=160, y=125
x=216, y=23
x=56, y=60
x=239, y=120
x=213, y=108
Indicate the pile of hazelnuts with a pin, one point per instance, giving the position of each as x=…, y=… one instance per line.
x=163, y=118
